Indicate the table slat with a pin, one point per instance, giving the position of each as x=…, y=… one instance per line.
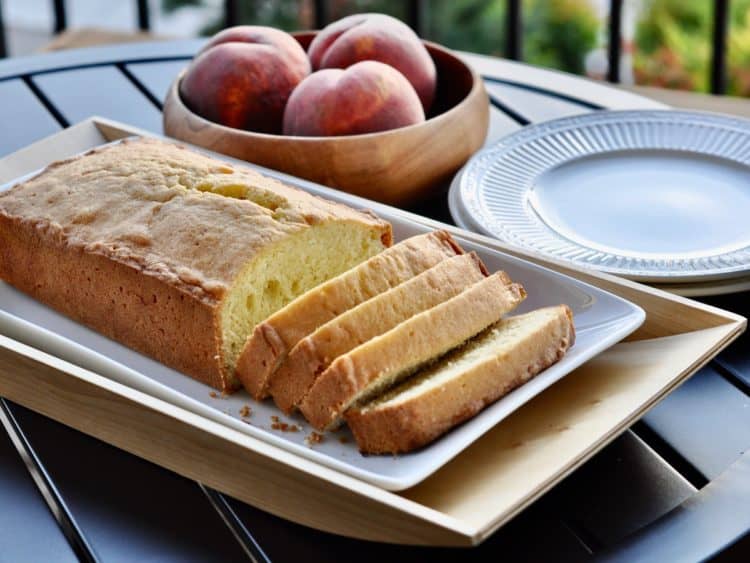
x=559, y=83
x=625, y=487
x=102, y=90
x=28, y=531
x=499, y=126
x=716, y=520
x=71, y=58
x=23, y=118
x=532, y=105
x=706, y=421
x=517, y=541
x=129, y=509
x=157, y=77
x=736, y=358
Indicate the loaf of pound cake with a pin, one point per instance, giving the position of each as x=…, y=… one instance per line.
x=501, y=358
x=371, y=368
x=173, y=253
x=266, y=350
x=314, y=353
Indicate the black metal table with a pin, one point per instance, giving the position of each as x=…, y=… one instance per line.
x=676, y=486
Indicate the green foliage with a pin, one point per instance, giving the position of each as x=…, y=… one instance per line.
x=673, y=37
x=284, y=14
x=470, y=25
x=559, y=34
x=556, y=34
x=340, y=8
x=292, y=15
x=664, y=20
x=674, y=45
x=169, y=6
x=739, y=49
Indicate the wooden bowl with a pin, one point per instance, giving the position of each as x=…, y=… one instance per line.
x=398, y=167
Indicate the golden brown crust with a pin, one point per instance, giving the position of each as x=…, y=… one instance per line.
x=398, y=426
x=311, y=355
x=116, y=300
x=149, y=204
x=268, y=346
x=141, y=220
x=413, y=343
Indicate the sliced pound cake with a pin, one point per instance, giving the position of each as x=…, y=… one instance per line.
x=464, y=382
x=173, y=253
x=312, y=355
x=272, y=339
x=392, y=356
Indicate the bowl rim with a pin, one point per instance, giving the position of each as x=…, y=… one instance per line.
x=476, y=87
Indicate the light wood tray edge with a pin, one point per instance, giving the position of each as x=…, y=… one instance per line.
x=727, y=333
x=198, y=448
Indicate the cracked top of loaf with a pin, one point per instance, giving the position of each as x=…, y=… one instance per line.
x=182, y=216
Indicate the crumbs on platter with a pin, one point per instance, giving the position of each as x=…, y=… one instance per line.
x=277, y=424
x=314, y=438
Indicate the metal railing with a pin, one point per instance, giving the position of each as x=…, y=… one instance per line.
x=513, y=47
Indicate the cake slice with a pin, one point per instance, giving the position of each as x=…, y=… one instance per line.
x=312, y=355
x=173, y=253
x=273, y=338
x=464, y=382
x=384, y=360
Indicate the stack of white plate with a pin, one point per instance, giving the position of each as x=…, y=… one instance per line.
x=656, y=196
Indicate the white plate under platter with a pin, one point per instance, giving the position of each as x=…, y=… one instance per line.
x=601, y=319
x=657, y=196
x=693, y=289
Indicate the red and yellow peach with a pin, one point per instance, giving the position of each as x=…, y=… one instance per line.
x=364, y=98
x=243, y=77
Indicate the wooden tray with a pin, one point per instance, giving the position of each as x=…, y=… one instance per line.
x=461, y=504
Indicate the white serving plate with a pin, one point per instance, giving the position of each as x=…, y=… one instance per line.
x=601, y=319
x=656, y=196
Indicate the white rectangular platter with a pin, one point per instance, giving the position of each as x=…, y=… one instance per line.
x=601, y=320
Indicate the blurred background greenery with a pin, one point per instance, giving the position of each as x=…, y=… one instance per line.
x=671, y=43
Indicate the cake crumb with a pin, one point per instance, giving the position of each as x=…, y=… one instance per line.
x=246, y=411
x=314, y=438
x=284, y=427
x=278, y=424
x=343, y=439
x=213, y=395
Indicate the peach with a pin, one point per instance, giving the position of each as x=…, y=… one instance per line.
x=381, y=38
x=243, y=77
x=364, y=98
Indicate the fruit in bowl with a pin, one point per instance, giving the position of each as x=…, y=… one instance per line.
x=243, y=77
x=400, y=166
x=376, y=37
x=367, y=97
